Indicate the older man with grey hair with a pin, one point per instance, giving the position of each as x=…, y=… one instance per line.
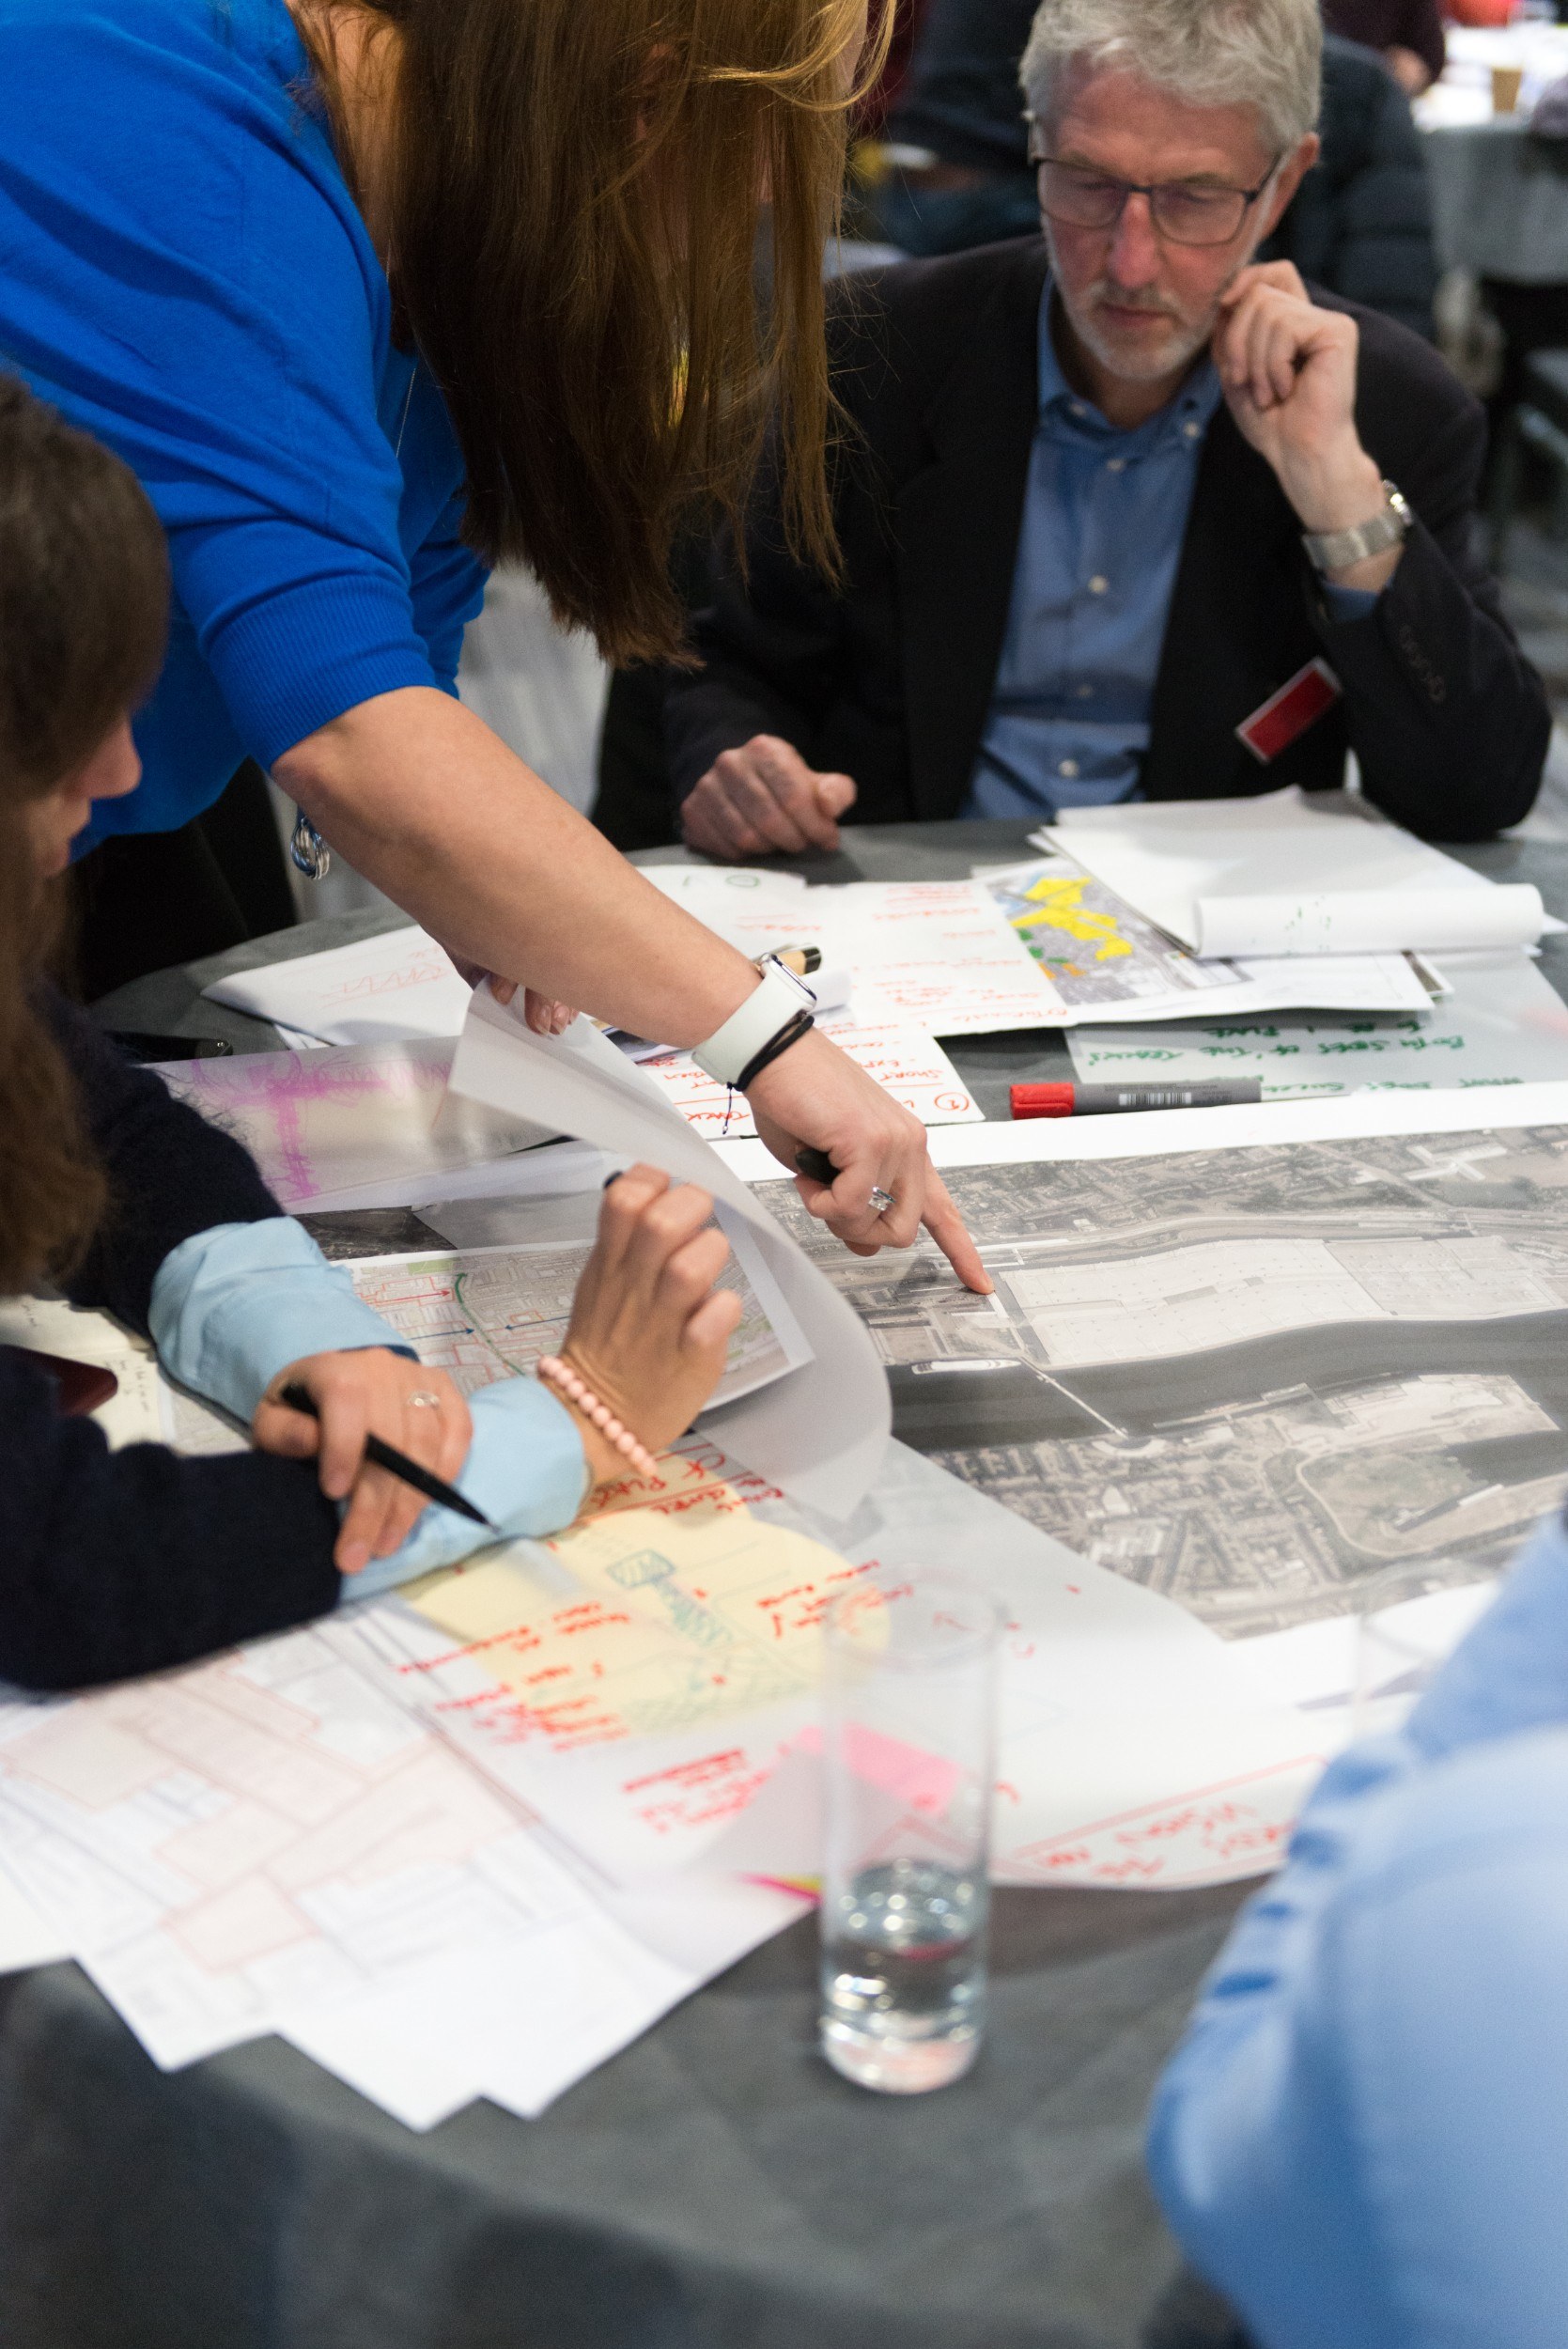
x=1123, y=512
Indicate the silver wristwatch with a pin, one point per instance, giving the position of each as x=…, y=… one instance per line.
x=1336, y=550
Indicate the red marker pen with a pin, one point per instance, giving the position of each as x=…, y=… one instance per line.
x=1059, y=1100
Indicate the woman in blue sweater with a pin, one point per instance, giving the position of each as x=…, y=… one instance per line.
x=113, y=1563
x=372, y=293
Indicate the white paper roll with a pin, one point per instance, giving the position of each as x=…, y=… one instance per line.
x=1368, y=921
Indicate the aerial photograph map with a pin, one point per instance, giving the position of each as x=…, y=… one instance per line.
x=1273, y=1384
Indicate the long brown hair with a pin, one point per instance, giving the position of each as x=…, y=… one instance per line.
x=571, y=192
x=83, y=590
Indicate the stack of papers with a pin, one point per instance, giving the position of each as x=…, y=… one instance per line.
x=1108, y=964
x=974, y=957
x=1295, y=874
x=1502, y=1023
x=267, y=1842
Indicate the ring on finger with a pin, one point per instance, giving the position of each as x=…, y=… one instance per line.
x=881, y=1200
x=423, y=1400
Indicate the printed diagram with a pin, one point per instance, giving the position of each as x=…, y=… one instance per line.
x=256, y=1833
x=1273, y=1384
x=1093, y=946
x=484, y=1314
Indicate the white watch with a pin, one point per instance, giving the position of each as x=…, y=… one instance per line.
x=777, y=1001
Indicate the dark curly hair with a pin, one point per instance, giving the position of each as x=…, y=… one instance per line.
x=84, y=603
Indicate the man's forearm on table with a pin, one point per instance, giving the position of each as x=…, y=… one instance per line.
x=425, y=800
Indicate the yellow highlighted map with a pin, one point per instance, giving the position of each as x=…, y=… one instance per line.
x=1057, y=903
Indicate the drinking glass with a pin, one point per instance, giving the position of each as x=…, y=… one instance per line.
x=909, y=1746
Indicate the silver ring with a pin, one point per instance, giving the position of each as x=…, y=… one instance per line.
x=423, y=1400
x=883, y=1200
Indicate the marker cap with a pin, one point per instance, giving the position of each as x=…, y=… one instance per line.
x=1041, y=1100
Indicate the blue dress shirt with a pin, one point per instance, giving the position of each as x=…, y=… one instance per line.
x=1105, y=514
x=233, y=1306
x=1363, y=2141
x=1104, y=518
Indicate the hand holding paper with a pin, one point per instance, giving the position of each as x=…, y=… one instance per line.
x=648, y=1329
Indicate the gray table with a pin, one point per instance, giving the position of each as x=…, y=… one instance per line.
x=715, y=2186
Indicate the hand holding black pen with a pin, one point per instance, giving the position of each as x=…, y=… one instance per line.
x=369, y=1416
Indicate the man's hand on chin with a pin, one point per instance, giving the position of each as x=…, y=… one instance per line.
x=1288, y=370
x=762, y=800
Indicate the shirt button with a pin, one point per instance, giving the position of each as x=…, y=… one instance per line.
x=1068, y=767
x=1098, y=584
x=1076, y=407
x=1084, y=693
x=1192, y=431
x=1115, y=465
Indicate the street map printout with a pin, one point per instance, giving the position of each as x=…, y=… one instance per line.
x=1274, y=1383
x=482, y=1313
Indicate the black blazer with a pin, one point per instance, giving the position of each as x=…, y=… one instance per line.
x=890, y=681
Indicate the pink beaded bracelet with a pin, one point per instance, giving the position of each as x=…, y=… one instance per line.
x=577, y=1390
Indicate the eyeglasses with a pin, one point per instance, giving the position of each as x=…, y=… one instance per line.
x=1186, y=214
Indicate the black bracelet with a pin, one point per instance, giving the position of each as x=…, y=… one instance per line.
x=791, y=1033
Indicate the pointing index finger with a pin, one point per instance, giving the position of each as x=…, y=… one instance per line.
x=950, y=1231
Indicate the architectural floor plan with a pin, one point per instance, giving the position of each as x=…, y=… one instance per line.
x=1274, y=1383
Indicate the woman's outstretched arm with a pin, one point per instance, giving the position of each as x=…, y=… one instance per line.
x=421, y=796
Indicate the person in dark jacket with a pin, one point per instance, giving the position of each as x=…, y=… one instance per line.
x=128, y=1562
x=1361, y=225
x=1406, y=34
x=1110, y=498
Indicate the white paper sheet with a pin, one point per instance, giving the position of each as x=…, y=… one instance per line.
x=1302, y=852
x=521, y=2029
x=27, y=1937
x=366, y=1126
x=1370, y=921
x=913, y=1066
x=1501, y=1024
x=263, y=1833
x=1114, y=1702
x=820, y=1431
x=934, y=956
x=490, y=1312
x=373, y=991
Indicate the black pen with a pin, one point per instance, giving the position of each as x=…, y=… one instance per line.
x=396, y=1463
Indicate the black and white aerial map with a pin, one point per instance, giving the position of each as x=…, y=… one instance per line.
x=1273, y=1384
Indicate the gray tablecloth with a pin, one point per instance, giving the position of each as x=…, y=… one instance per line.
x=1500, y=201
x=715, y=2186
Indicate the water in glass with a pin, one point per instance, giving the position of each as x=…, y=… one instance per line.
x=904, y=1975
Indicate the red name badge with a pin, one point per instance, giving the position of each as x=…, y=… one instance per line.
x=1300, y=702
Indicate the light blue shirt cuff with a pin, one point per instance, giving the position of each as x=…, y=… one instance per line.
x=525, y=1468
x=1349, y=603
x=233, y=1306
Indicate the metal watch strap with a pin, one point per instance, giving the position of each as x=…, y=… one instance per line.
x=776, y=1003
x=1336, y=550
